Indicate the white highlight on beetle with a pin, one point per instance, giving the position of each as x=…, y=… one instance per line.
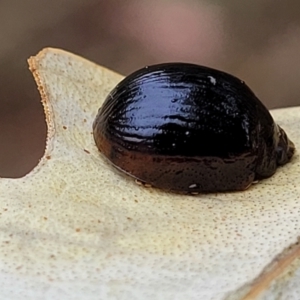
x=192, y=186
x=212, y=80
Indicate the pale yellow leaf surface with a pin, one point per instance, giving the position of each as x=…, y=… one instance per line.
x=75, y=228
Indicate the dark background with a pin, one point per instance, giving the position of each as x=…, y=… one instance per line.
x=257, y=40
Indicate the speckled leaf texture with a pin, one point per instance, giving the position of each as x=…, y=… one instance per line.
x=76, y=228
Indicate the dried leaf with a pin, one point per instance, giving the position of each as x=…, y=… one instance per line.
x=75, y=228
